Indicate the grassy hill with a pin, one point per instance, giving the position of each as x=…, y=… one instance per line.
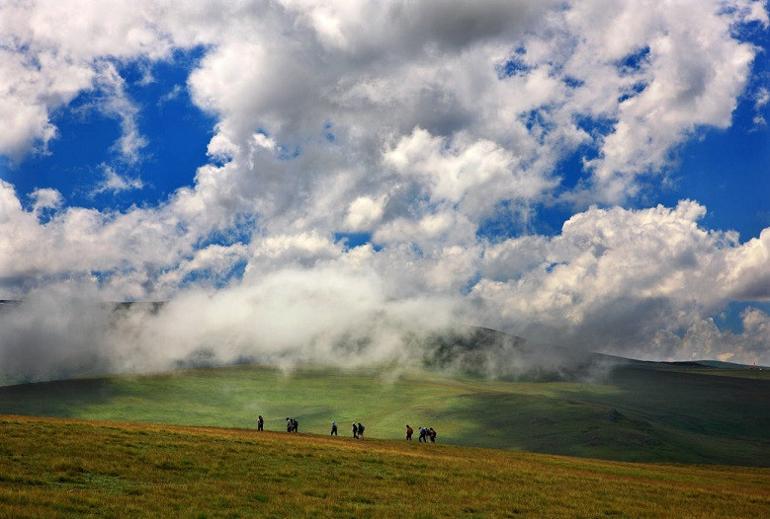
x=60, y=468
x=638, y=411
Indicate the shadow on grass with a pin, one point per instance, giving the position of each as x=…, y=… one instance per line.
x=655, y=415
x=61, y=398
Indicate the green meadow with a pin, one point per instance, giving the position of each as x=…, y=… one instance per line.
x=640, y=412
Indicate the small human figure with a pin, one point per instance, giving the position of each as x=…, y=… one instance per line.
x=409, y=432
x=334, y=428
x=296, y=425
x=432, y=435
x=423, y=433
x=360, y=431
x=355, y=430
x=260, y=423
x=289, y=424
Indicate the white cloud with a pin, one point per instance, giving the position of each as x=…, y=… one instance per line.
x=45, y=198
x=761, y=98
x=171, y=95
x=263, y=141
x=472, y=175
x=626, y=281
x=116, y=103
x=113, y=182
x=364, y=212
x=213, y=263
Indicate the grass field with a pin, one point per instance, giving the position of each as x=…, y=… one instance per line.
x=642, y=412
x=59, y=468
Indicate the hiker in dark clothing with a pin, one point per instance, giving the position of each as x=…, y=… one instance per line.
x=289, y=424
x=423, y=435
x=360, y=431
x=295, y=425
x=432, y=435
x=409, y=432
x=260, y=423
x=355, y=430
x=334, y=428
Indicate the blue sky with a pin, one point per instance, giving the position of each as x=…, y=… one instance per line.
x=727, y=170
x=176, y=131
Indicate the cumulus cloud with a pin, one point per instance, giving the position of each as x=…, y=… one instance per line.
x=471, y=175
x=45, y=198
x=364, y=212
x=680, y=74
x=644, y=281
x=411, y=123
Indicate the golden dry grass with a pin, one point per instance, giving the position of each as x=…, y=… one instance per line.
x=58, y=468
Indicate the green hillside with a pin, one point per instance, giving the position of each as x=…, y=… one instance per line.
x=636, y=412
x=54, y=468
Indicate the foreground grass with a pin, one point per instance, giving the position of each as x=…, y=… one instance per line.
x=58, y=468
x=628, y=414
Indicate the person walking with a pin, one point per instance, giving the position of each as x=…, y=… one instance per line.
x=409, y=432
x=260, y=423
x=334, y=428
x=355, y=430
x=423, y=434
x=432, y=434
x=360, y=431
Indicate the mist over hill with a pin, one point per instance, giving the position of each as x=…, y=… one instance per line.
x=48, y=338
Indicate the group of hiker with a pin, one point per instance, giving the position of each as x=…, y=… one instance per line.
x=426, y=433
x=358, y=430
x=292, y=425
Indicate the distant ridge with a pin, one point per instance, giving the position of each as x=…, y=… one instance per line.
x=702, y=363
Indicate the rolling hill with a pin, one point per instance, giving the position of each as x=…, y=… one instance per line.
x=632, y=410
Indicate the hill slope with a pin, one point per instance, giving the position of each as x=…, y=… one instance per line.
x=54, y=468
x=637, y=412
